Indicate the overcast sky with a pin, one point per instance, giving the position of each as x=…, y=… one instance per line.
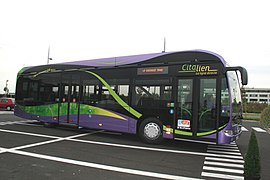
x=238, y=30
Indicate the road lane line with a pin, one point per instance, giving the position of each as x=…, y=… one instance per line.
x=6, y=112
x=156, y=149
x=101, y=166
x=16, y=122
x=27, y=124
x=128, y=146
x=49, y=142
x=29, y=134
x=37, y=144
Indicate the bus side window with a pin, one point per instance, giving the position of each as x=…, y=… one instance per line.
x=90, y=94
x=157, y=96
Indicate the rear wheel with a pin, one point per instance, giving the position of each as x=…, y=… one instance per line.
x=8, y=108
x=150, y=131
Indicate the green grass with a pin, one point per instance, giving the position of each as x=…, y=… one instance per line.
x=252, y=116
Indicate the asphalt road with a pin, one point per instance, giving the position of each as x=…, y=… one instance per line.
x=264, y=146
x=28, y=150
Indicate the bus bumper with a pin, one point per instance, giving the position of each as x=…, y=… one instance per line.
x=229, y=135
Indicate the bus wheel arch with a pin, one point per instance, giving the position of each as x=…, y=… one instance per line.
x=151, y=130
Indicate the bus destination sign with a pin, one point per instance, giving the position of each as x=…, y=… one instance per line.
x=152, y=70
x=199, y=70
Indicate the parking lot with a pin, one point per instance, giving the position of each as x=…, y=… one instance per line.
x=30, y=150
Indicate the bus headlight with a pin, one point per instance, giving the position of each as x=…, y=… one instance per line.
x=228, y=132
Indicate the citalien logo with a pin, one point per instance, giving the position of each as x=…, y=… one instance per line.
x=198, y=69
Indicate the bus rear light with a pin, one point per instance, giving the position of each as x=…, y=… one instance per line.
x=228, y=132
x=100, y=125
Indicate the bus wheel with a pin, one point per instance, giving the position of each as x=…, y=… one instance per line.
x=150, y=131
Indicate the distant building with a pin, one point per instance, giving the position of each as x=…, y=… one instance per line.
x=257, y=95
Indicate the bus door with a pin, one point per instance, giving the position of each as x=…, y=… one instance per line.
x=196, y=108
x=69, y=104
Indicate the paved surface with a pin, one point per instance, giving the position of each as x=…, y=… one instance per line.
x=30, y=151
x=263, y=138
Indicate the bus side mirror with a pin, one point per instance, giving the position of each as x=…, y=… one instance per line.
x=243, y=71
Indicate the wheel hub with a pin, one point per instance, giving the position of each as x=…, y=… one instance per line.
x=152, y=131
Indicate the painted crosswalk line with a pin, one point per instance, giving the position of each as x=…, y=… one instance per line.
x=257, y=129
x=224, y=167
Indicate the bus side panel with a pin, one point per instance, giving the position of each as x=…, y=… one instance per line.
x=21, y=112
x=108, y=123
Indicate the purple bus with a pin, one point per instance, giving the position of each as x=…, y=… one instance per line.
x=188, y=95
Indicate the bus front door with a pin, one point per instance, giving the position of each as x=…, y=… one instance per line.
x=196, y=115
x=69, y=104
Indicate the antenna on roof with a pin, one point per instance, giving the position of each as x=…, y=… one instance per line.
x=164, y=45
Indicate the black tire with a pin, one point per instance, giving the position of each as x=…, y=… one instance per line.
x=151, y=131
x=9, y=108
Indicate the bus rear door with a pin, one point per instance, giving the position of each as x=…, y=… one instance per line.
x=69, y=104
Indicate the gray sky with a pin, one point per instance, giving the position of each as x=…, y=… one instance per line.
x=238, y=30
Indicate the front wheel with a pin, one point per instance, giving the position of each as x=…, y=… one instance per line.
x=150, y=131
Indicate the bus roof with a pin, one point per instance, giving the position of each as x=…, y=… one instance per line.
x=153, y=59
x=196, y=55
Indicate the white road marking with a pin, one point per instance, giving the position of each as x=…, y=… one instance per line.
x=197, y=141
x=224, y=160
x=16, y=122
x=222, y=176
x=224, y=164
x=27, y=124
x=244, y=129
x=223, y=168
x=258, y=129
x=156, y=149
x=100, y=166
x=220, y=152
x=227, y=146
x=37, y=144
x=6, y=112
x=49, y=142
x=210, y=168
x=29, y=134
x=224, y=149
x=126, y=146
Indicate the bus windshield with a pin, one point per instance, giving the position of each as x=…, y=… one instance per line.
x=235, y=95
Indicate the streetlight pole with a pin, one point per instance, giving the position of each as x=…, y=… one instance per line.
x=6, y=88
x=48, y=58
